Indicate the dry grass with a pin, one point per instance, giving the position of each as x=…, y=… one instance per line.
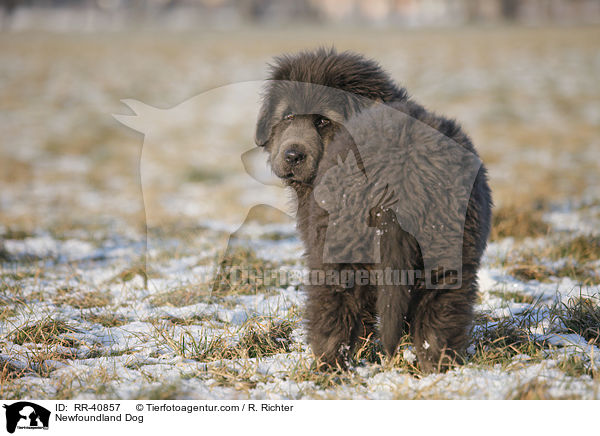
x=100, y=383
x=6, y=312
x=242, y=378
x=9, y=305
x=8, y=373
x=47, y=331
x=265, y=339
x=517, y=297
x=80, y=299
x=518, y=223
x=187, y=321
x=526, y=272
x=106, y=319
x=45, y=342
x=574, y=258
x=498, y=342
x=582, y=316
x=242, y=272
x=15, y=233
x=578, y=366
x=160, y=391
x=581, y=249
x=184, y=296
x=306, y=371
x=535, y=271
x=256, y=339
x=538, y=390
x=137, y=270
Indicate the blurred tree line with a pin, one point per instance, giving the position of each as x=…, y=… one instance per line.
x=411, y=12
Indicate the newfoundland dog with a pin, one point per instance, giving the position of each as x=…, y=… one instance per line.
x=393, y=203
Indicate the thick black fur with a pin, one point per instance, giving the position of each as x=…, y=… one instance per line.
x=438, y=321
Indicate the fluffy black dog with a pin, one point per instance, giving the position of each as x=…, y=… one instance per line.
x=394, y=208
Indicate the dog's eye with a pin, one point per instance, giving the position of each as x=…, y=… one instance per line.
x=322, y=122
x=289, y=116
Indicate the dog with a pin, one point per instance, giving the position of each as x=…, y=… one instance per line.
x=377, y=177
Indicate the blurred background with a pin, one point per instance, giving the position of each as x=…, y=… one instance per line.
x=189, y=14
x=521, y=76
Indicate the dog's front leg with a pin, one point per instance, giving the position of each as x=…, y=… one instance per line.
x=334, y=319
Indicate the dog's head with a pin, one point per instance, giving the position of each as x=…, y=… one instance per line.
x=308, y=99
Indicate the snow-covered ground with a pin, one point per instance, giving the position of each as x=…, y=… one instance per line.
x=93, y=331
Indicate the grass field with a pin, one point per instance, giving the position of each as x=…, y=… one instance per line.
x=81, y=318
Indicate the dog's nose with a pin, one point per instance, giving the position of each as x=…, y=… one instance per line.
x=294, y=157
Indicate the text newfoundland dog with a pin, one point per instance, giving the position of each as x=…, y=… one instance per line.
x=393, y=207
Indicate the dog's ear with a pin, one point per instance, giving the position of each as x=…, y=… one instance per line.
x=264, y=124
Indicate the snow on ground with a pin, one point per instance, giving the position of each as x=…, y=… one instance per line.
x=129, y=340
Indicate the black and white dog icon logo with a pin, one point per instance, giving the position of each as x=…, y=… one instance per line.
x=26, y=415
